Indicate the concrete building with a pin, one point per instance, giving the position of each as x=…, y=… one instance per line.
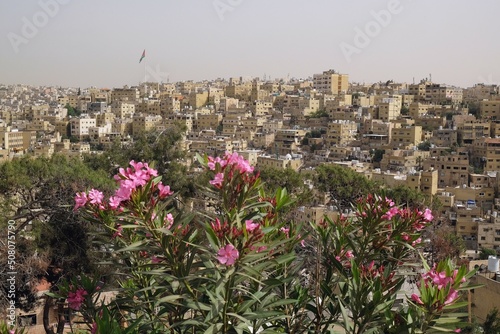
x=406, y=136
x=13, y=140
x=79, y=126
x=280, y=162
x=340, y=133
x=331, y=82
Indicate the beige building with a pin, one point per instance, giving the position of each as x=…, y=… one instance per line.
x=469, y=131
x=418, y=91
x=288, y=140
x=444, y=137
x=331, y=82
x=144, y=123
x=125, y=94
x=16, y=141
x=198, y=100
x=406, y=136
x=489, y=109
x=79, y=126
x=122, y=109
x=280, y=162
x=486, y=152
x=341, y=133
x=315, y=214
x=207, y=121
x=425, y=181
x=486, y=298
x=453, y=169
x=488, y=235
x=443, y=94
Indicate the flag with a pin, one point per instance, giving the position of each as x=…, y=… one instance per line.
x=143, y=55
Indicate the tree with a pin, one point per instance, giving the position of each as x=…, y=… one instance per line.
x=37, y=196
x=406, y=196
x=72, y=111
x=160, y=149
x=445, y=243
x=377, y=155
x=424, y=146
x=342, y=184
x=486, y=252
x=289, y=179
x=405, y=110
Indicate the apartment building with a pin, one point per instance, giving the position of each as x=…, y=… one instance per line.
x=125, y=94
x=79, y=126
x=486, y=153
x=426, y=181
x=280, y=162
x=453, y=169
x=144, y=123
x=288, y=141
x=444, y=137
x=14, y=140
x=469, y=131
x=340, y=133
x=443, y=94
x=331, y=82
x=406, y=136
x=489, y=109
x=122, y=109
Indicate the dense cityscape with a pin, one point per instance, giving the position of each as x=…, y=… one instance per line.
x=440, y=140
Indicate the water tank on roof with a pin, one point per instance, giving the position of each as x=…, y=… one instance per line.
x=493, y=265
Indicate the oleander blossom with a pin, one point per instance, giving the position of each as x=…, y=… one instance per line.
x=228, y=255
x=76, y=299
x=164, y=190
x=230, y=159
x=80, y=200
x=217, y=181
x=251, y=226
x=95, y=196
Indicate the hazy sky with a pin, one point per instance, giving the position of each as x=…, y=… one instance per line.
x=99, y=42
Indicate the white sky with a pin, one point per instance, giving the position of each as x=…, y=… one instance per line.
x=99, y=42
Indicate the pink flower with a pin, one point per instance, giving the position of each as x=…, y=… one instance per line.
x=114, y=202
x=416, y=242
x=95, y=196
x=250, y=225
x=452, y=296
x=428, y=215
x=213, y=161
x=405, y=237
x=285, y=230
x=124, y=192
x=228, y=255
x=118, y=232
x=169, y=219
x=417, y=299
x=458, y=330
x=349, y=254
x=217, y=181
x=93, y=330
x=80, y=200
x=164, y=190
x=76, y=299
x=391, y=213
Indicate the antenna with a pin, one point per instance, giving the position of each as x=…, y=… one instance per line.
x=430, y=77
